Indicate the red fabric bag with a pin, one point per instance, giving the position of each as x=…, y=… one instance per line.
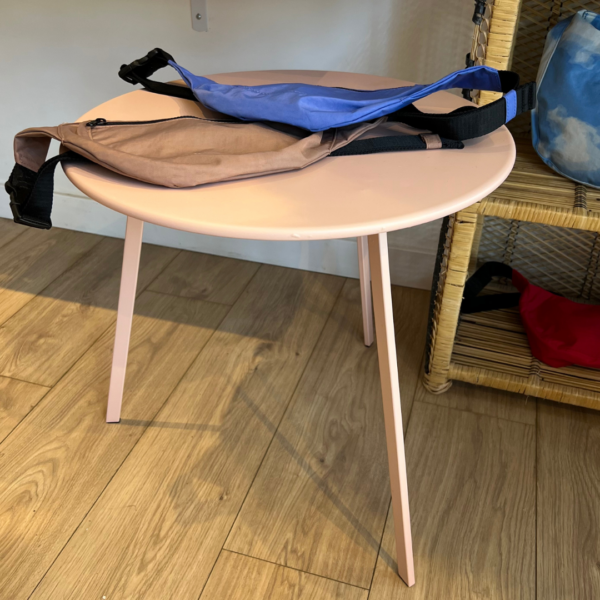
x=561, y=332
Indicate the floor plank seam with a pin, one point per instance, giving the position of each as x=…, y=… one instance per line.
x=94, y=343
x=49, y=387
x=26, y=417
x=48, y=390
x=80, y=357
x=76, y=528
x=211, y=571
x=297, y=570
x=276, y=429
x=414, y=392
x=472, y=412
x=382, y=582
x=83, y=353
x=162, y=270
x=284, y=412
x=150, y=421
x=41, y=292
x=387, y=516
x=85, y=350
x=139, y=292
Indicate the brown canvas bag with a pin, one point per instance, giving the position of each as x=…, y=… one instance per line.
x=188, y=151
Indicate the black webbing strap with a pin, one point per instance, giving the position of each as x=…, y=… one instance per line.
x=461, y=124
x=31, y=193
x=467, y=122
x=473, y=303
x=139, y=70
x=394, y=143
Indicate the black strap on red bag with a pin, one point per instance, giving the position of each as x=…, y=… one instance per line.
x=473, y=302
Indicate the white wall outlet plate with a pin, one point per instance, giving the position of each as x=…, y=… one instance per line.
x=199, y=15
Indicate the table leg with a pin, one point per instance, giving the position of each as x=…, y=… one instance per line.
x=129, y=276
x=365, y=289
x=388, y=369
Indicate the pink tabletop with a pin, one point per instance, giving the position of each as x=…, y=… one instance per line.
x=337, y=197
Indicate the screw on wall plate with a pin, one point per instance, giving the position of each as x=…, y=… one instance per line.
x=198, y=13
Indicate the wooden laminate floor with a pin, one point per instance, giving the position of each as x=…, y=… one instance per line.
x=250, y=461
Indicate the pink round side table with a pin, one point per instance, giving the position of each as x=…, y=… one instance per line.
x=362, y=196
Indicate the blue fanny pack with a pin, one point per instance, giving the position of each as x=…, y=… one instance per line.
x=318, y=108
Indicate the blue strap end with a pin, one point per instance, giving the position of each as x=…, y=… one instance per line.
x=511, y=105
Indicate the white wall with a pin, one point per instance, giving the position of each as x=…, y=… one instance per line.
x=58, y=59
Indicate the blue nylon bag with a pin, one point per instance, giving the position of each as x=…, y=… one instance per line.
x=566, y=119
x=318, y=108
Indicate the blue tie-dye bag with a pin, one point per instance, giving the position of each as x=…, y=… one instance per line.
x=566, y=120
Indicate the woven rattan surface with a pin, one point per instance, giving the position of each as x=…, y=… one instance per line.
x=548, y=228
x=534, y=192
x=531, y=248
x=491, y=349
x=542, y=224
x=512, y=36
x=493, y=40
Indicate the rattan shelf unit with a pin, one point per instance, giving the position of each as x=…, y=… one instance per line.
x=542, y=224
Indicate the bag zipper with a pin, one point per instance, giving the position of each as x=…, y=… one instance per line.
x=103, y=122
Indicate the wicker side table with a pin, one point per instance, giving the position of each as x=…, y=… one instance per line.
x=548, y=228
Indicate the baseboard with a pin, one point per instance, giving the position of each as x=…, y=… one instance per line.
x=409, y=268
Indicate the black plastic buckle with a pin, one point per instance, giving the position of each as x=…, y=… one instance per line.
x=15, y=207
x=526, y=97
x=144, y=67
x=23, y=220
x=466, y=92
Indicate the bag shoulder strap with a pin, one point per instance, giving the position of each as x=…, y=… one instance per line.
x=461, y=124
x=31, y=190
x=470, y=122
x=397, y=143
x=473, y=303
x=139, y=70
